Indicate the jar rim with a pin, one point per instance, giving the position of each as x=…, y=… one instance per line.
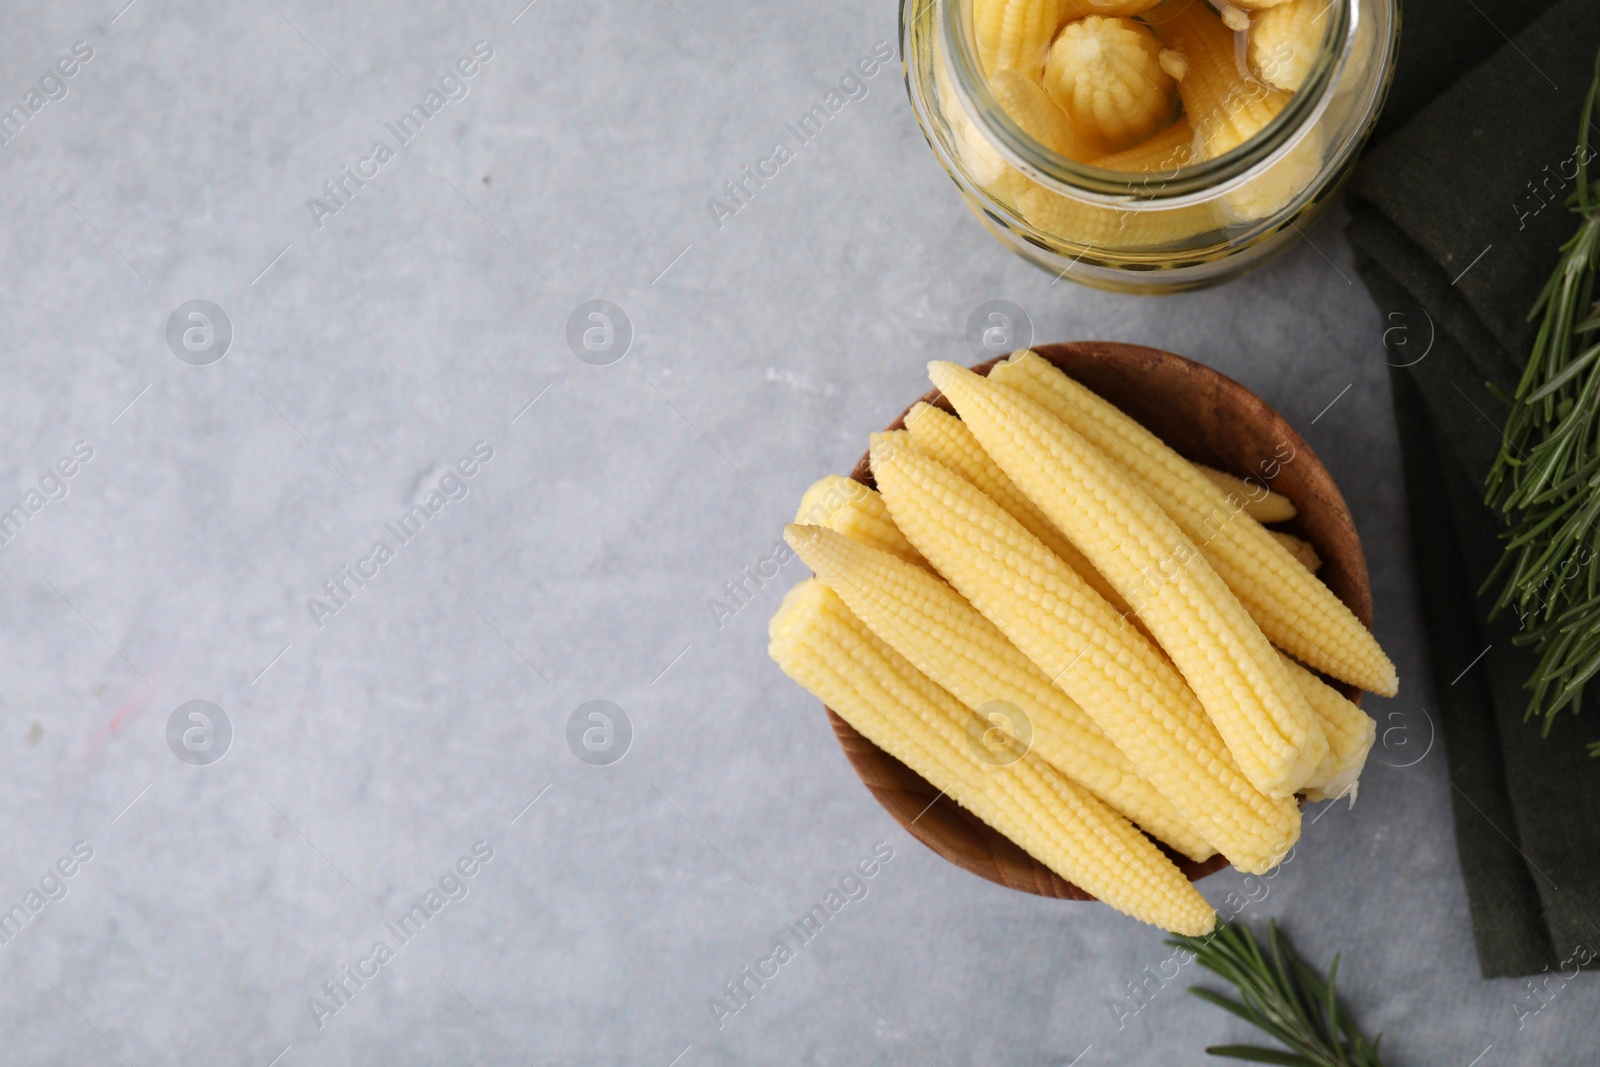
x=1172, y=188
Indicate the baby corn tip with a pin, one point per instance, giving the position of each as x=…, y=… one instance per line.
x=886, y=441
x=942, y=371
x=798, y=533
x=1236, y=20
x=885, y=445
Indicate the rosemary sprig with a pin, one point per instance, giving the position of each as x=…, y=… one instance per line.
x=1282, y=995
x=1546, y=478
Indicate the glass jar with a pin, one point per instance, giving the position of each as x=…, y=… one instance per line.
x=1180, y=220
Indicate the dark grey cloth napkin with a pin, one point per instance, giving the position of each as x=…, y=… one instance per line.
x=1454, y=245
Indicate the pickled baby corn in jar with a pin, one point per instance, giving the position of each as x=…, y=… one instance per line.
x=1147, y=145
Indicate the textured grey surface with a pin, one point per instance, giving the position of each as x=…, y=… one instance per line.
x=427, y=713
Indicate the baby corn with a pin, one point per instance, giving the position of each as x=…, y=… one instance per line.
x=1059, y=216
x=1224, y=107
x=845, y=505
x=821, y=645
x=941, y=436
x=1163, y=153
x=1285, y=39
x=1120, y=679
x=1080, y=8
x=1200, y=624
x=1013, y=34
x=1296, y=611
x=977, y=155
x=1282, y=181
x=1302, y=551
x=1349, y=730
x=1031, y=108
x=1260, y=503
x=943, y=636
x=1106, y=74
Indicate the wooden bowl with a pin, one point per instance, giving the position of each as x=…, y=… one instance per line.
x=1209, y=418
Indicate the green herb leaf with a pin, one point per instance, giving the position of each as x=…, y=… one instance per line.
x=1283, y=995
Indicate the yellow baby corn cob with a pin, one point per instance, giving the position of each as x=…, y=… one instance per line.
x=1350, y=732
x=1275, y=187
x=1131, y=691
x=922, y=618
x=941, y=436
x=1013, y=34
x=1105, y=73
x=977, y=155
x=1260, y=503
x=1296, y=611
x=1081, y=8
x=1097, y=226
x=1226, y=110
x=1257, y=5
x=1031, y=108
x=1285, y=39
x=845, y=505
x=821, y=645
x=1222, y=654
x=1302, y=551
x=1163, y=153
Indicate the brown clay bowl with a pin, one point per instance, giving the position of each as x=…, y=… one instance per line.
x=1207, y=417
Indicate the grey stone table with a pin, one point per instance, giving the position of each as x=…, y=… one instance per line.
x=395, y=320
